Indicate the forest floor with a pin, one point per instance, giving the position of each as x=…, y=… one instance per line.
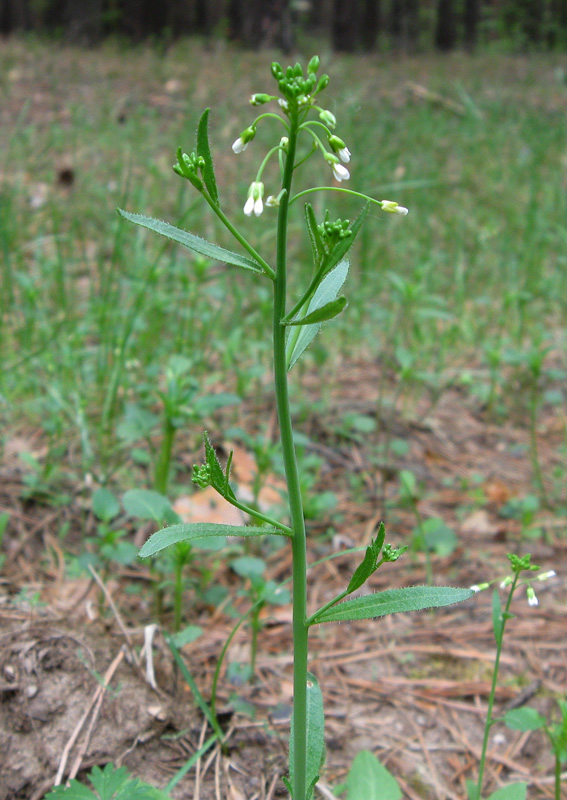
x=411, y=688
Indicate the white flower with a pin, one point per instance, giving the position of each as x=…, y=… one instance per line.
x=344, y=155
x=341, y=173
x=283, y=104
x=532, y=598
x=254, y=202
x=546, y=575
x=475, y=588
x=339, y=147
x=479, y=587
x=393, y=208
x=243, y=140
x=506, y=582
x=272, y=202
x=239, y=145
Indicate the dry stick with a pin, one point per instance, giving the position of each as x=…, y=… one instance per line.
x=198, y=762
x=74, y=736
x=115, y=611
x=272, y=788
x=86, y=741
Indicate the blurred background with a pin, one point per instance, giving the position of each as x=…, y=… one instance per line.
x=410, y=25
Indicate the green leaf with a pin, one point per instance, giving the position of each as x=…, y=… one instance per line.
x=331, y=309
x=186, y=532
x=327, y=291
x=218, y=479
x=204, y=151
x=369, y=564
x=314, y=236
x=315, y=736
x=438, y=536
x=109, y=784
x=497, y=619
x=392, y=601
x=146, y=504
x=524, y=719
x=368, y=779
x=105, y=505
x=192, y=242
x=514, y=791
x=187, y=635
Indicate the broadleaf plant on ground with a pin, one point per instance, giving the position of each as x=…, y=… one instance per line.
x=308, y=133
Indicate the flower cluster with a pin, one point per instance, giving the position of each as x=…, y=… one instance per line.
x=519, y=564
x=298, y=92
x=190, y=167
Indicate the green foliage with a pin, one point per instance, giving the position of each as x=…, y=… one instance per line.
x=192, y=242
x=315, y=725
x=189, y=531
x=368, y=779
x=110, y=783
x=392, y=601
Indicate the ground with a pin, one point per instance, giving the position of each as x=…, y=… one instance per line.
x=413, y=689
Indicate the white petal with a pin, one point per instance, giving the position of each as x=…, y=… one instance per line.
x=341, y=173
x=249, y=206
x=344, y=155
x=239, y=145
x=258, y=206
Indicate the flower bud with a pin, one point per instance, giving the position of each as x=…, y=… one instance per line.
x=339, y=147
x=313, y=65
x=532, y=598
x=328, y=118
x=243, y=140
x=260, y=99
x=393, y=208
x=277, y=70
x=323, y=83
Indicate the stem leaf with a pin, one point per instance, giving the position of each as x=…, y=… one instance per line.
x=497, y=618
x=369, y=563
x=314, y=236
x=514, y=791
x=326, y=292
x=192, y=242
x=186, y=532
x=368, y=779
x=328, y=311
x=204, y=151
x=392, y=601
x=315, y=723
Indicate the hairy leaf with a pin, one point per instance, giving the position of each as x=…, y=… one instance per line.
x=204, y=151
x=369, y=564
x=328, y=311
x=192, y=242
x=392, y=601
x=315, y=736
x=186, y=532
x=326, y=292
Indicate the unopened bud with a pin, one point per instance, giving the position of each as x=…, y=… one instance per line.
x=313, y=65
x=260, y=99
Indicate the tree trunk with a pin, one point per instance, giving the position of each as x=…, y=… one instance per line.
x=471, y=17
x=345, y=25
x=446, y=29
x=371, y=23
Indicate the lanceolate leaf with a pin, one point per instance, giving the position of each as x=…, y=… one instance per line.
x=369, y=564
x=328, y=311
x=204, y=150
x=192, y=242
x=514, y=791
x=392, y=601
x=327, y=291
x=314, y=235
x=315, y=735
x=186, y=532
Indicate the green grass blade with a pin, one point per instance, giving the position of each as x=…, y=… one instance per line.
x=392, y=601
x=186, y=532
x=204, y=151
x=192, y=242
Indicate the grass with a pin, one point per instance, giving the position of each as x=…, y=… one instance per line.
x=91, y=309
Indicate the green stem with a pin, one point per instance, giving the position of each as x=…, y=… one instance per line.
x=164, y=458
x=178, y=595
x=489, y=720
x=298, y=542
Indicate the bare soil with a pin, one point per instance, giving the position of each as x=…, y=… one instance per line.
x=412, y=688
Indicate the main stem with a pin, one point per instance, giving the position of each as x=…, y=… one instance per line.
x=298, y=541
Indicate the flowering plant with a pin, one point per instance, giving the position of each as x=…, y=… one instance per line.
x=294, y=325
